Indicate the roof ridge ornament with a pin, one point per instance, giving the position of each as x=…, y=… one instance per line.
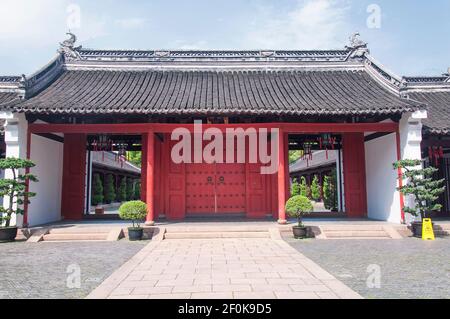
x=358, y=46
x=23, y=81
x=68, y=49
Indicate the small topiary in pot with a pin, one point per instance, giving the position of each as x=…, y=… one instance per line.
x=135, y=211
x=298, y=206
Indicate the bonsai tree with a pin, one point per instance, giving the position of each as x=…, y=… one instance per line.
x=304, y=188
x=297, y=206
x=135, y=211
x=137, y=191
x=110, y=193
x=315, y=189
x=421, y=184
x=15, y=188
x=97, y=190
x=130, y=189
x=122, y=193
x=295, y=188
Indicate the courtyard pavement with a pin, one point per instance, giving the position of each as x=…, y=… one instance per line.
x=53, y=270
x=221, y=268
x=407, y=268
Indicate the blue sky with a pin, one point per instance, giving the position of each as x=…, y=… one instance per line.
x=412, y=37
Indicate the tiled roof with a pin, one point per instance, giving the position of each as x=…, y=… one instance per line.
x=297, y=92
x=438, y=121
x=6, y=97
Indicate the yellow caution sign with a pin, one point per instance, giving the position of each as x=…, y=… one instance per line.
x=427, y=229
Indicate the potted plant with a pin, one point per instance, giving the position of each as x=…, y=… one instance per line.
x=423, y=188
x=297, y=206
x=135, y=211
x=14, y=189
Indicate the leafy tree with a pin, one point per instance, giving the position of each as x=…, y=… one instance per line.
x=297, y=206
x=137, y=190
x=15, y=188
x=97, y=190
x=304, y=187
x=110, y=192
x=134, y=157
x=315, y=189
x=130, y=188
x=330, y=191
x=294, y=156
x=122, y=193
x=295, y=188
x=135, y=211
x=421, y=185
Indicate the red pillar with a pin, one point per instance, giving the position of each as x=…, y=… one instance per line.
x=281, y=179
x=286, y=167
x=149, y=181
x=400, y=179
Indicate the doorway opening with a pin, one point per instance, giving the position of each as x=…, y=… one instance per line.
x=316, y=171
x=113, y=173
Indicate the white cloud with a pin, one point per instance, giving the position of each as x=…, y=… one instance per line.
x=312, y=24
x=29, y=24
x=184, y=45
x=130, y=23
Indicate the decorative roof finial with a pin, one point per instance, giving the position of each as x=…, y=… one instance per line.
x=67, y=47
x=356, y=42
x=358, y=46
x=23, y=81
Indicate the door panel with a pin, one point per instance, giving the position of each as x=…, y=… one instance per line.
x=354, y=175
x=74, y=175
x=230, y=188
x=200, y=195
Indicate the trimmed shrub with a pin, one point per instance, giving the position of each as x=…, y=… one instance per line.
x=130, y=189
x=97, y=190
x=315, y=189
x=122, y=193
x=295, y=188
x=304, y=188
x=135, y=211
x=330, y=191
x=298, y=206
x=137, y=191
x=110, y=193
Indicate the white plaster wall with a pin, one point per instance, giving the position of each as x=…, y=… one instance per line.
x=410, y=138
x=383, y=199
x=16, y=146
x=48, y=157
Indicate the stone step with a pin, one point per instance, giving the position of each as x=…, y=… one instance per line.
x=352, y=227
x=80, y=230
x=215, y=229
x=356, y=233
x=441, y=233
x=445, y=226
x=211, y=234
x=75, y=236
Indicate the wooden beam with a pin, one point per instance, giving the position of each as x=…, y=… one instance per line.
x=139, y=128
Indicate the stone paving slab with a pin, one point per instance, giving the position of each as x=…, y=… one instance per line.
x=224, y=268
x=410, y=268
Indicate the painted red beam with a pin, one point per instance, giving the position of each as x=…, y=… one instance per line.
x=139, y=128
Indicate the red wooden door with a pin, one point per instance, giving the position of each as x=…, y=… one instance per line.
x=74, y=175
x=175, y=206
x=230, y=188
x=200, y=188
x=215, y=188
x=354, y=175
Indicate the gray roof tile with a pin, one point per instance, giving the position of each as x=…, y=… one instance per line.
x=216, y=92
x=438, y=121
